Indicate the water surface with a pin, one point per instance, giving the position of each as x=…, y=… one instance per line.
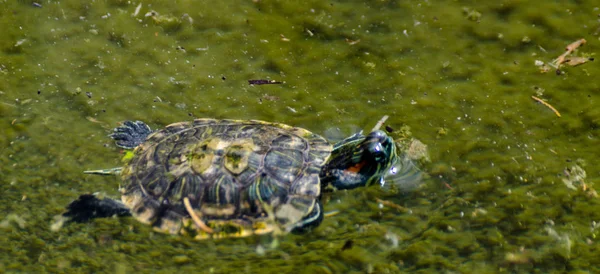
x=512, y=185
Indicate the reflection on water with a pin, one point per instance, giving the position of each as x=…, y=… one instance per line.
x=404, y=175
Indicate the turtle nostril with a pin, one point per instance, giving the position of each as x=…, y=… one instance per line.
x=379, y=156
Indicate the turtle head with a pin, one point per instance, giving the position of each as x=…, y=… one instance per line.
x=359, y=161
x=379, y=147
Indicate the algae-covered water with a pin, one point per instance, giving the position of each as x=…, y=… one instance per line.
x=511, y=188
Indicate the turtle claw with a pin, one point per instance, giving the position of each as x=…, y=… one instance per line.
x=130, y=134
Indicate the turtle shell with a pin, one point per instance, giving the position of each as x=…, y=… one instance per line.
x=239, y=177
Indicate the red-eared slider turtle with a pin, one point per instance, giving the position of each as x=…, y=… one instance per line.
x=232, y=178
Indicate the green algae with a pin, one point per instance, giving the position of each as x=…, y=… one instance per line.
x=496, y=200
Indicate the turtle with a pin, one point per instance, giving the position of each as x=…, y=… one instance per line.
x=218, y=178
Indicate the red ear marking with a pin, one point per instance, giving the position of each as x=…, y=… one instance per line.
x=357, y=167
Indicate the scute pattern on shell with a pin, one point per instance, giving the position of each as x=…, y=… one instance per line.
x=228, y=169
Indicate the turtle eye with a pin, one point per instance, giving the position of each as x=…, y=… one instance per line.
x=379, y=154
x=381, y=148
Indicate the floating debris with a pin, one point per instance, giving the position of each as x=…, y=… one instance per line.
x=352, y=42
x=13, y=219
x=347, y=245
x=270, y=98
x=543, y=66
x=181, y=259
x=573, y=46
x=391, y=204
x=518, y=258
x=137, y=10
x=393, y=239
x=562, y=239
x=20, y=42
x=568, y=50
x=331, y=213
x=260, y=250
x=575, y=177
x=94, y=120
x=263, y=82
x=180, y=48
x=151, y=13
x=293, y=110
x=188, y=17
x=564, y=58
x=472, y=14
x=576, y=61
x=380, y=123
x=57, y=223
x=418, y=151
x=546, y=104
x=169, y=23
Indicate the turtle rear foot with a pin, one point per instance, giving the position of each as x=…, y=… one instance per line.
x=131, y=134
x=88, y=207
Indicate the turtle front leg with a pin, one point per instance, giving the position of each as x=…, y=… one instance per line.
x=88, y=207
x=310, y=221
x=344, y=179
x=131, y=134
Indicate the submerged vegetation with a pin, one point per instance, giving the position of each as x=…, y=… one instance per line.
x=511, y=186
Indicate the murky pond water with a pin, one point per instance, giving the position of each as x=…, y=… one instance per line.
x=512, y=186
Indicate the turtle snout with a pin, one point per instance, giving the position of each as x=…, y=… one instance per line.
x=381, y=146
x=378, y=152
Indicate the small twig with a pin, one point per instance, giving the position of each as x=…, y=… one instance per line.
x=547, y=105
x=391, y=204
x=380, y=123
x=10, y=105
x=197, y=221
x=331, y=213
